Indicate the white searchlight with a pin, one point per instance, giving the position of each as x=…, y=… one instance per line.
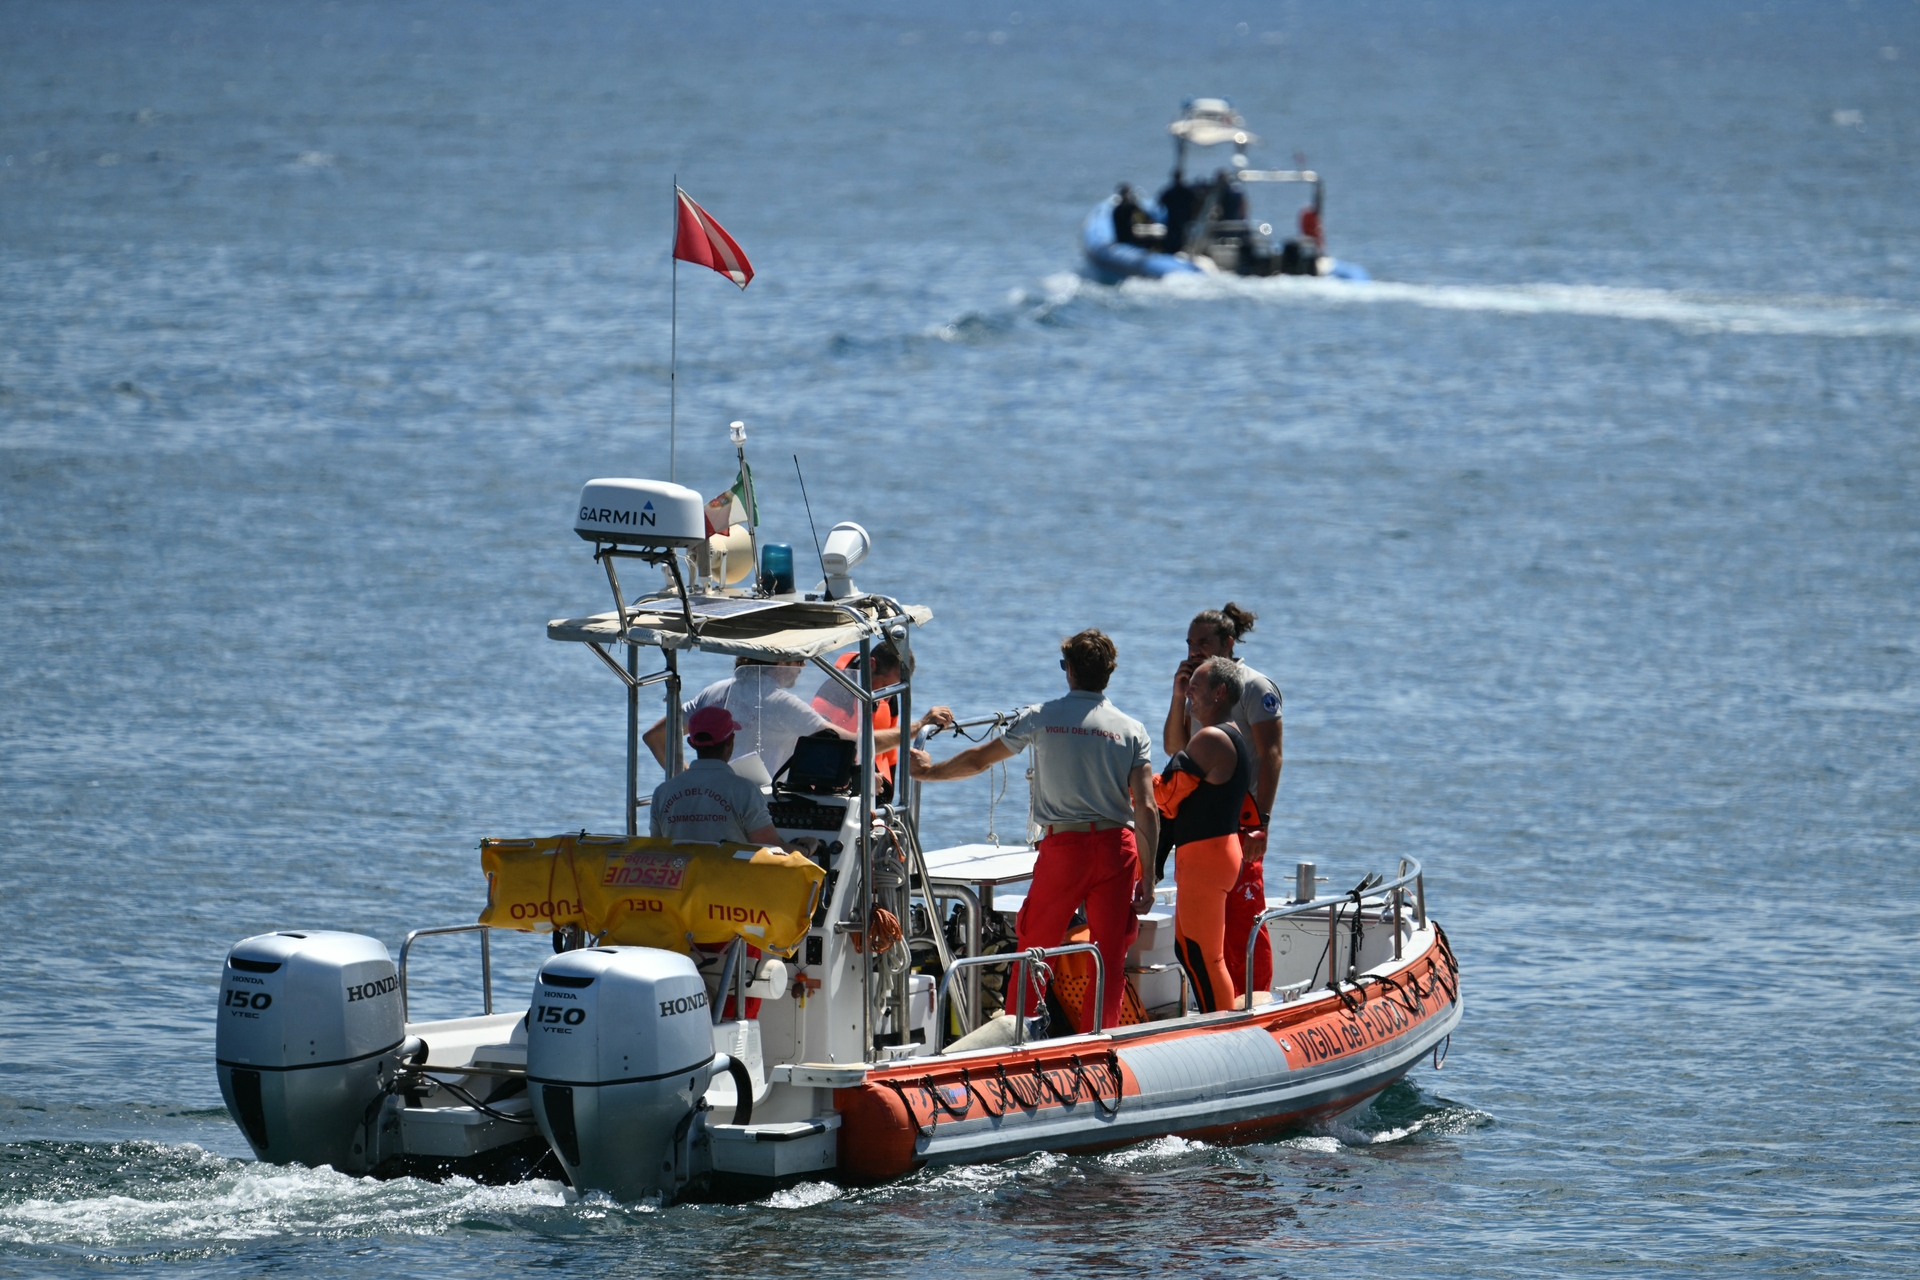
x=640, y=513
x=847, y=545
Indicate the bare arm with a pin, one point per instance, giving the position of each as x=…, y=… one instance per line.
x=1267, y=759
x=970, y=762
x=1146, y=832
x=1173, y=736
x=656, y=740
x=888, y=739
x=1266, y=784
x=1213, y=751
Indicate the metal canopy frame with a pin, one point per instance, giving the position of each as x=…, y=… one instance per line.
x=870, y=615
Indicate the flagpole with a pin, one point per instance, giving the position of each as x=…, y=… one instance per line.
x=673, y=344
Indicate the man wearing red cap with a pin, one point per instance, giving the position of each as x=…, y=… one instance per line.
x=710, y=801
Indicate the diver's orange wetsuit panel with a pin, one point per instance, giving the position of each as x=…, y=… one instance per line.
x=1205, y=871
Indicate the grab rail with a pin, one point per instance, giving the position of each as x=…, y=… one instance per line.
x=486, y=960
x=1019, y=960
x=1396, y=887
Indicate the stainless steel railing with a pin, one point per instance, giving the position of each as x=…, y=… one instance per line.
x=1410, y=875
x=1019, y=960
x=486, y=960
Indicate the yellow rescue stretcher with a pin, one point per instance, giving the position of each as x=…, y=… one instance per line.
x=646, y=892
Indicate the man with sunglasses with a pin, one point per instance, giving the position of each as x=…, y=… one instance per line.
x=1093, y=801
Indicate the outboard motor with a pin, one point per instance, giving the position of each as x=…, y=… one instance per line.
x=619, y=1048
x=310, y=1033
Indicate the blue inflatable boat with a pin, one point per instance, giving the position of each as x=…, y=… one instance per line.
x=1205, y=226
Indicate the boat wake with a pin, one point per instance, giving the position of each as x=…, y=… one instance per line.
x=804, y=1195
x=1061, y=297
x=130, y=1200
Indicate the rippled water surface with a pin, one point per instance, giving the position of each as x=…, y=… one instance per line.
x=1584, y=544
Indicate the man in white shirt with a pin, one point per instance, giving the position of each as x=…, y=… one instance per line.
x=1093, y=798
x=759, y=698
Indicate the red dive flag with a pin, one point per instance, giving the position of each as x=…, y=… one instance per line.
x=699, y=239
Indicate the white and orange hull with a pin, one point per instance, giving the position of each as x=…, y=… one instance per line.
x=1227, y=1077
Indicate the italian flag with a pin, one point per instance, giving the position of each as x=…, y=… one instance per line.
x=734, y=506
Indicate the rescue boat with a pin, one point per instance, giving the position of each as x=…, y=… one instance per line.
x=719, y=1019
x=1216, y=238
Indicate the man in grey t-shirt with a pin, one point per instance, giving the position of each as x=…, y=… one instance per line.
x=708, y=800
x=1257, y=714
x=1093, y=798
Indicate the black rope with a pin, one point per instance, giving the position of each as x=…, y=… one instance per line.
x=485, y=1110
x=940, y=1100
x=1326, y=952
x=1001, y=720
x=1415, y=1006
x=1093, y=1090
x=1043, y=1080
x=1007, y=1090
x=921, y=1130
x=1045, y=1077
x=1446, y=949
x=966, y=1082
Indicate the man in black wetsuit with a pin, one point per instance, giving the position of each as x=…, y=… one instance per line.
x=1127, y=215
x=1232, y=197
x=1180, y=202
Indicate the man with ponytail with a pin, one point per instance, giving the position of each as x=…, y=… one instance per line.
x=1213, y=634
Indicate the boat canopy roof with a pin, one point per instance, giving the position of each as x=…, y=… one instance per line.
x=1209, y=122
x=744, y=627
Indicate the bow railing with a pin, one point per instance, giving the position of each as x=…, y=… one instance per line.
x=1410, y=877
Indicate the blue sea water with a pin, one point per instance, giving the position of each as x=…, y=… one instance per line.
x=1584, y=542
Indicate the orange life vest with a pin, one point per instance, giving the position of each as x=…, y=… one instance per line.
x=849, y=718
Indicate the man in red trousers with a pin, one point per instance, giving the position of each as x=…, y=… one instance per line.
x=1093, y=800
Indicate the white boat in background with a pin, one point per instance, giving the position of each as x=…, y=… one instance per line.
x=1207, y=227
x=639, y=1065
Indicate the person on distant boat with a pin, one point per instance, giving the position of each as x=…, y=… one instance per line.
x=842, y=709
x=1202, y=792
x=1180, y=202
x=1093, y=799
x=708, y=800
x=1230, y=198
x=1128, y=218
x=1213, y=633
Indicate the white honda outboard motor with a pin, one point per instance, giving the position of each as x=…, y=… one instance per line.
x=619, y=1050
x=310, y=1034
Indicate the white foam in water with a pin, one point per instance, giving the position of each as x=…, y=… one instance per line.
x=804, y=1195
x=1158, y=1148
x=989, y=1177
x=1834, y=317
x=250, y=1201
x=1324, y=1143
